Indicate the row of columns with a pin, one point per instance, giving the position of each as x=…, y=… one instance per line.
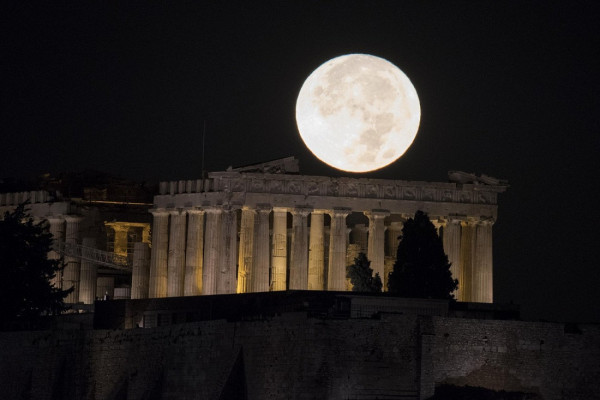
x=79, y=274
x=196, y=251
x=206, y=246
x=468, y=244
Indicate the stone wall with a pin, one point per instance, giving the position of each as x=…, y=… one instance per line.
x=551, y=359
x=292, y=356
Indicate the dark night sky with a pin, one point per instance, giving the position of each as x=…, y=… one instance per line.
x=509, y=89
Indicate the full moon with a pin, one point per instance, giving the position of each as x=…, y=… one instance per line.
x=358, y=112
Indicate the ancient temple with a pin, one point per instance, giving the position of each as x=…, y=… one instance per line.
x=267, y=228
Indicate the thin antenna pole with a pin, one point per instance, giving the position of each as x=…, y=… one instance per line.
x=203, y=136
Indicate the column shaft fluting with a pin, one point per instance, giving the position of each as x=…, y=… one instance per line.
x=158, y=261
x=482, y=286
x=316, y=252
x=279, y=249
x=71, y=272
x=451, y=240
x=176, y=258
x=376, y=241
x=212, y=245
x=226, y=281
x=244, y=281
x=467, y=253
x=140, y=274
x=336, y=276
x=57, y=229
x=89, y=272
x=299, y=255
x=194, y=253
x=260, y=252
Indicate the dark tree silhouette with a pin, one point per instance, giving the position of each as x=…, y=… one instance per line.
x=25, y=288
x=422, y=269
x=361, y=275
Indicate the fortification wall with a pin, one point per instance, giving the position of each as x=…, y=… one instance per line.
x=531, y=357
x=293, y=356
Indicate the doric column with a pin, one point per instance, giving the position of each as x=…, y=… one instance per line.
x=451, y=240
x=482, y=289
x=140, y=275
x=299, y=255
x=392, y=233
x=376, y=250
x=212, y=245
x=360, y=236
x=176, y=258
x=194, y=253
x=467, y=258
x=316, y=252
x=279, y=249
x=158, y=261
x=89, y=272
x=244, y=280
x=226, y=280
x=336, y=276
x=72, y=264
x=260, y=251
x=57, y=229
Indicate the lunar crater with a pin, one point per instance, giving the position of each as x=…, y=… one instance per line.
x=358, y=113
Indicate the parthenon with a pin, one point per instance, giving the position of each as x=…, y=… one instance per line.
x=261, y=228
x=247, y=230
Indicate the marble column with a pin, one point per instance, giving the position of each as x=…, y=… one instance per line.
x=140, y=274
x=212, y=246
x=299, y=255
x=451, y=241
x=467, y=252
x=260, y=251
x=360, y=237
x=376, y=243
x=244, y=280
x=158, y=260
x=194, y=253
x=226, y=280
x=393, y=233
x=57, y=229
x=482, y=289
x=176, y=257
x=71, y=272
x=336, y=275
x=316, y=251
x=89, y=272
x=279, y=249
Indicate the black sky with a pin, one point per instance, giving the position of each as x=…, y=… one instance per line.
x=509, y=89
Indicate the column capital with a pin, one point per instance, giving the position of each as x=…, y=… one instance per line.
x=339, y=211
x=158, y=212
x=213, y=209
x=73, y=218
x=302, y=210
x=377, y=213
x=194, y=211
x=263, y=208
x=487, y=221
x=280, y=209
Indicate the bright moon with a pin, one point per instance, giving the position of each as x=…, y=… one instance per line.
x=358, y=112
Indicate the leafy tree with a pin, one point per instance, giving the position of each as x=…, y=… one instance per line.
x=422, y=269
x=361, y=275
x=25, y=288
